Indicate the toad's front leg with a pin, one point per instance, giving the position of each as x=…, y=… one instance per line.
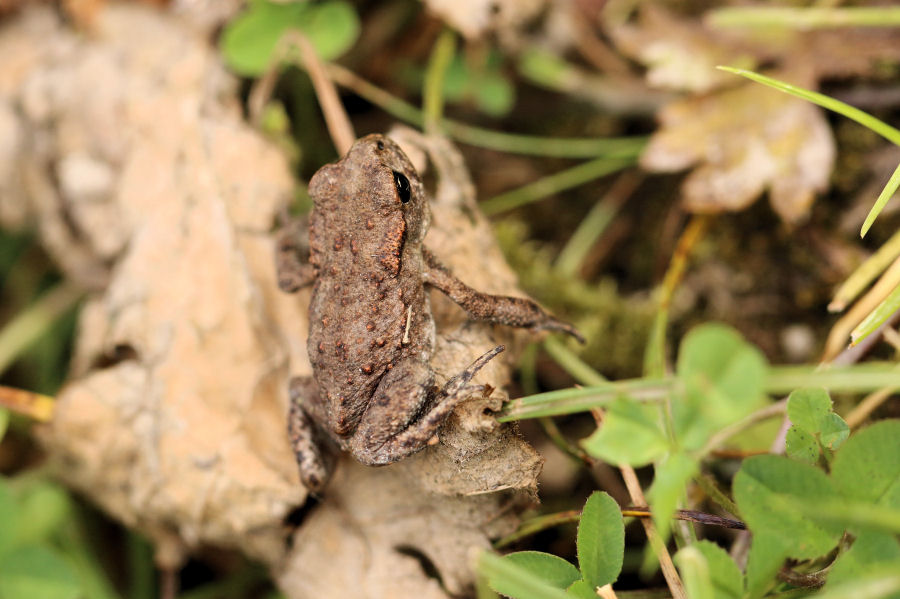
x=407, y=410
x=502, y=309
x=292, y=257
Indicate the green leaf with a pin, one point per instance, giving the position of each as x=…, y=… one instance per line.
x=867, y=467
x=834, y=432
x=10, y=518
x=630, y=435
x=816, y=426
x=723, y=377
x=695, y=573
x=871, y=552
x=4, y=422
x=801, y=445
x=600, y=540
x=36, y=571
x=495, y=95
x=767, y=554
x=552, y=569
x=668, y=487
x=581, y=590
x=726, y=577
x=808, y=407
x=772, y=492
x=507, y=577
x=44, y=507
x=249, y=41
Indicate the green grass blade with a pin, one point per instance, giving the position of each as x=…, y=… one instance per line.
x=883, y=198
x=858, y=378
x=804, y=18
x=863, y=118
x=844, y=109
x=555, y=183
x=876, y=317
x=866, y=273
x=568, y=401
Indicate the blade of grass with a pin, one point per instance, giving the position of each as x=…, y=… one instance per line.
x=843, y=109
x=865, y=274
x=886, y=194
x=804, y=18
x=580, y=370
x=537, y=524
x=433, y=92
x=568, y=401
x=34, y=321
x=863, y=118
x=883, y=311
x=595, y=223
x=857, y=378
x=555, y=183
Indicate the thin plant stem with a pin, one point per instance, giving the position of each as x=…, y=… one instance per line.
x=771, y=411
x=595, y=223
x=339, y=126
x=654, y=357
x=537, y=524
x=869, y=404
x=580, y=370
x=555, y=183
x=709, y=486
x=560, y=147
x=34, y=321
x=676, y=587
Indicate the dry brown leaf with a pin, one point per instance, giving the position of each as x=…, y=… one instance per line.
x=746, y=140
x=680, y=54
x=474, y=18
x=148, y=186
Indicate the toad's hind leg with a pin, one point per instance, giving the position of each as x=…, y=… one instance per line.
x=401, y=420
x=310, y=446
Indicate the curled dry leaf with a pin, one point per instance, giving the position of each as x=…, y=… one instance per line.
x=474, y=18
x=680, y=54
x=746, y=140
x=128, y=151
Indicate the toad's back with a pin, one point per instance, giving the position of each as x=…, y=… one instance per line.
x=369, y=308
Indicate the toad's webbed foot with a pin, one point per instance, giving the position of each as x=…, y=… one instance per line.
x=502, y=309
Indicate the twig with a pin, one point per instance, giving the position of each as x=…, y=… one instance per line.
x=659, y=548
x=28, y=403
x=676, y=587
x=869, y=404
x=336, y=118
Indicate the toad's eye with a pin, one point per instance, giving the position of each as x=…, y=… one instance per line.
x=402, y=185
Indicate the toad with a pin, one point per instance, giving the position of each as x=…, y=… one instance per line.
x=372, y=335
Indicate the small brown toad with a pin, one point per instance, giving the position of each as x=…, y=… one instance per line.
x=371, y=332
